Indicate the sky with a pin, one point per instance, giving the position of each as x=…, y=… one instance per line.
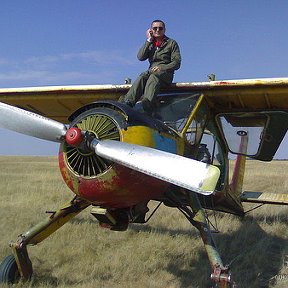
x=73, y=42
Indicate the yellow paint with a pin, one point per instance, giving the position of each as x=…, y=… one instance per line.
x=58, y=102
x=139, y=135
x=211, y=179
x=50, y=229
x=192, y=116
x=145, y=136
x=264, y=197
x=47, y=227
x=180, y=146
x=69, y=177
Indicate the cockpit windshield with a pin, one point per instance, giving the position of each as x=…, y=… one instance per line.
x=174, y=109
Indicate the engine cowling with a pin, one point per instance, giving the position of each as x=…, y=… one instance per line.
x=99, y=180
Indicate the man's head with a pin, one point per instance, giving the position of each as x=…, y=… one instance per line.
x=158, y=28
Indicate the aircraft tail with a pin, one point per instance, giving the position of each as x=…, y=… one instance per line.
x=239, y=169
x=236, y=184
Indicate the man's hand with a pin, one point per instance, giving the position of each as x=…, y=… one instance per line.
x=156, y=69
x=149, y=35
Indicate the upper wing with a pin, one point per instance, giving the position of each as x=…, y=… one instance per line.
x=58, y=102
x=250, y=94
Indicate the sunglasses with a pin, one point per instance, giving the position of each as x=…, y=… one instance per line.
x=157, y=28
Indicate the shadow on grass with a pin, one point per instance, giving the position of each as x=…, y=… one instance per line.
x=254, y=256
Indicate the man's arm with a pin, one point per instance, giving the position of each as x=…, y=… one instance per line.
x=175, y=58
x=143, y=53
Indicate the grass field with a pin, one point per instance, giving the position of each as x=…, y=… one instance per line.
x=165, y=252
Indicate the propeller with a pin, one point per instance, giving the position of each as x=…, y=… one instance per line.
x=29, y=123
x=181, y=171
x=184, y=172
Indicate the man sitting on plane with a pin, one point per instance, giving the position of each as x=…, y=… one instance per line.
x=164, y=57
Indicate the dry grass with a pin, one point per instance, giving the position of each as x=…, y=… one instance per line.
x=166, y=252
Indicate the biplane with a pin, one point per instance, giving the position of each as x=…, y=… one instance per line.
x=115, y=158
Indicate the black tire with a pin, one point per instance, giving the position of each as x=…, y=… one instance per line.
x=9, y=272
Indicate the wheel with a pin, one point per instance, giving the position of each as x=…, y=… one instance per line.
x=9, y=271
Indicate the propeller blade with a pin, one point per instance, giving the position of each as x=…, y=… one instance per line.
x=31, y=124
x=181, y=171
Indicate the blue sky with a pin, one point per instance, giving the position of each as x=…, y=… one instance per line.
x=72, y=42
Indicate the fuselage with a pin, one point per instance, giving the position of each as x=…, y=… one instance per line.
x=180, y=126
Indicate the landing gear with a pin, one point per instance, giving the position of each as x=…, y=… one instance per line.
x=18, y=266
x=220, y=275
x=9, y=272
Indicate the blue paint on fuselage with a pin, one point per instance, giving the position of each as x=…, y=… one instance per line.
x=165, y=144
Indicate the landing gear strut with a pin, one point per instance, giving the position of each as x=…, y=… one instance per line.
x=18, y=266
x=195, y=214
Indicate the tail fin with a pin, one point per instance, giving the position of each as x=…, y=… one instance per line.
x=239, y=169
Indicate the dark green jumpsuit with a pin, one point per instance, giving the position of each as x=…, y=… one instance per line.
x=149, y=83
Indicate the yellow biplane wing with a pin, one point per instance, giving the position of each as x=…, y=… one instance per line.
x=58, y=102
x=260, y=94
